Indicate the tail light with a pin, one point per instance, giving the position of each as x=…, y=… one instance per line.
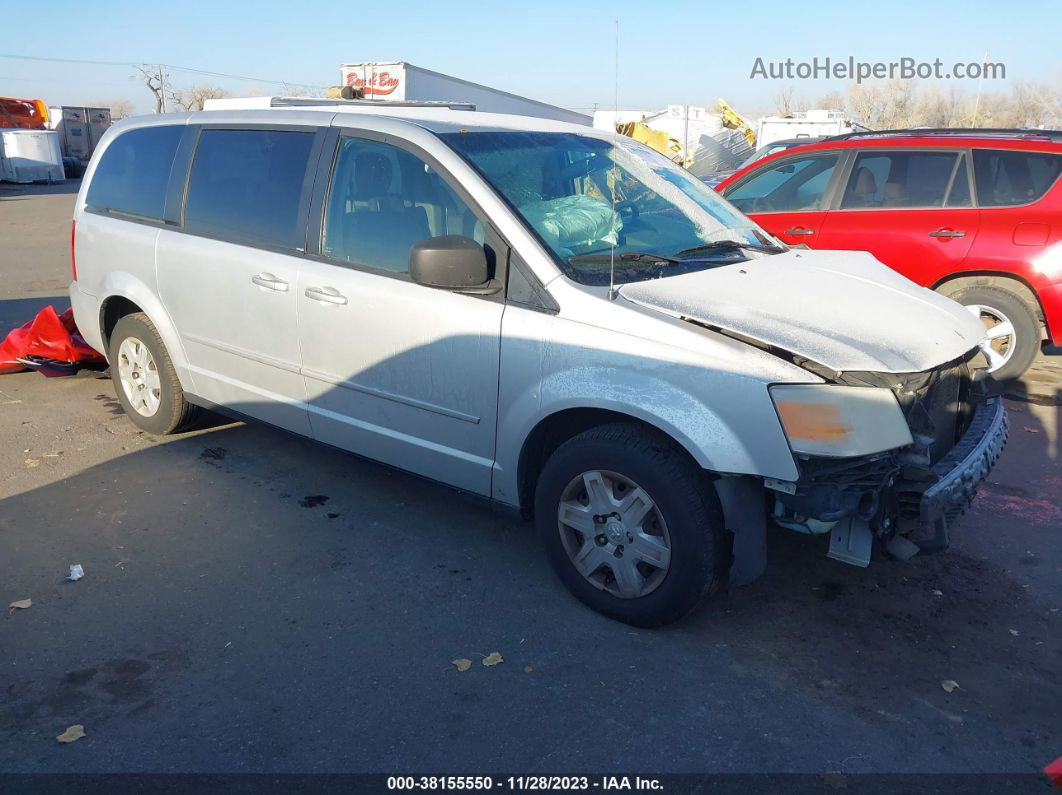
x=73, y=256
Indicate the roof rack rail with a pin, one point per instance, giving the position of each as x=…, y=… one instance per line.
x=1055, y=136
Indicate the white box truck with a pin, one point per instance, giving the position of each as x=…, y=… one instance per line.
x=398, y=80
x=804, y=124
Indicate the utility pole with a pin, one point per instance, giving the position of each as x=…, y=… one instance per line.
x=162, y=87
x=980, y=85
x=686, y=137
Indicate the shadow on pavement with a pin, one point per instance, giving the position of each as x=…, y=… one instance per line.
x=12, y=191
x=254, y=601
x=15, y=312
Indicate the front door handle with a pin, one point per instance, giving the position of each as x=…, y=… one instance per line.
x=270, y=282
x=326, y=295
x=948, y=233
x=799, y=231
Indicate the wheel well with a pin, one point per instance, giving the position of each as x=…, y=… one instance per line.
x=114, y=309
x=551, y=433
x=1015, y=284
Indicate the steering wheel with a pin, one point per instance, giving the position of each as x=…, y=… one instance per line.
x=762, y=204
x=627, y=210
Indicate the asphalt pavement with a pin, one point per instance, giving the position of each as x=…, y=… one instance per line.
x=255, y=602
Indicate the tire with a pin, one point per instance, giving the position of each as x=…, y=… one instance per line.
x=999, y=303
x=686, y=517
x=161, y=405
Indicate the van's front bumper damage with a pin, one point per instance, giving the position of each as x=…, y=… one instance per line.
x=960, y=472
x=908, y=505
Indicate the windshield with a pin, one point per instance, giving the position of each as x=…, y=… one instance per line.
x=598, y=201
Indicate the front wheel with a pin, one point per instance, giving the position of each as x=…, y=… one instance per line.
x=631, y=524
x=1013, y=329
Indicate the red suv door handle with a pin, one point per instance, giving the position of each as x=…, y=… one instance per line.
x=799, y=231
x=948, y=233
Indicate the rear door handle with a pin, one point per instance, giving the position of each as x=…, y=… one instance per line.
x=946, y=233
x=326, y=295
x=799, y=231
x=270, y=282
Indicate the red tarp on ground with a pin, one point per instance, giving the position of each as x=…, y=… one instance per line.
x=47, y=336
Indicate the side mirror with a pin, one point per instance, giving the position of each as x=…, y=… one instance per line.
x=449, y=262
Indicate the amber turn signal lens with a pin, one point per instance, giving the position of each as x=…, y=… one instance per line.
x=820, y=422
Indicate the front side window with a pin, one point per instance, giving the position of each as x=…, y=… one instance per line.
x=133, y=173
x=383, y=200
x=246, y=186
x=1011, y=178
x=890, y=180
x=604, y=204
x=796, y=185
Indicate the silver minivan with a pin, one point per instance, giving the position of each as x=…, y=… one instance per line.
x=553, y=317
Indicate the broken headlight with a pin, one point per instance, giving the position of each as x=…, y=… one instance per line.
x=840, y=421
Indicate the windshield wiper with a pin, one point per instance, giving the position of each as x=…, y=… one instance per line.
x=626, y=256
x=725, y=247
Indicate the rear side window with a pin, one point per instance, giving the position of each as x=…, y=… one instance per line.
x=886, y=180
x=1008, y=178
x=133, y=172
x=246, y=186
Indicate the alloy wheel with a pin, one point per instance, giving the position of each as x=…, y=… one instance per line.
x=999, y=344
x=139, y=377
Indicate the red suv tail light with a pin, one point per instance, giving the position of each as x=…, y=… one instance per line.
x=73, y=256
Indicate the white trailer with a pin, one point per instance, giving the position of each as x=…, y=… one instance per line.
x=804, y=124
x=79, y=128
x=401, y=81
x=30, y=156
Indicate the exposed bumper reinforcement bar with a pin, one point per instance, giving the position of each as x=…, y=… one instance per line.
x=961, y=472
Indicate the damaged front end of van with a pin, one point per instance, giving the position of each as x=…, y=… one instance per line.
x=895, y=428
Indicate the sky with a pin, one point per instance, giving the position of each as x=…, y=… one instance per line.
x=558, y=52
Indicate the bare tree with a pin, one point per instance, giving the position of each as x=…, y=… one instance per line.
x=938, y=107
x=155, y=78
x=832, y=101
x=863, y=103
x=903, y=104
x=195, y=97
x=293, y=90
x=120, y=108
x=784, y=103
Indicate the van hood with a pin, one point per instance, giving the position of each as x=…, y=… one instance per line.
x=842, y=309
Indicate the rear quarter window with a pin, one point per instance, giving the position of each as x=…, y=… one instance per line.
x=133, y=173
x=1010, y=178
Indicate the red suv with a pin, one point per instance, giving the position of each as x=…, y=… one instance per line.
x=973, y=214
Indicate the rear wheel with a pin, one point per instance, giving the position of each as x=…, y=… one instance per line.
x=1013, y=329
x=144, y=378
x=631, y=524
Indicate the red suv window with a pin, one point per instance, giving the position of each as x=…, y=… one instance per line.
x=884, y=180
x=1012, y=178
